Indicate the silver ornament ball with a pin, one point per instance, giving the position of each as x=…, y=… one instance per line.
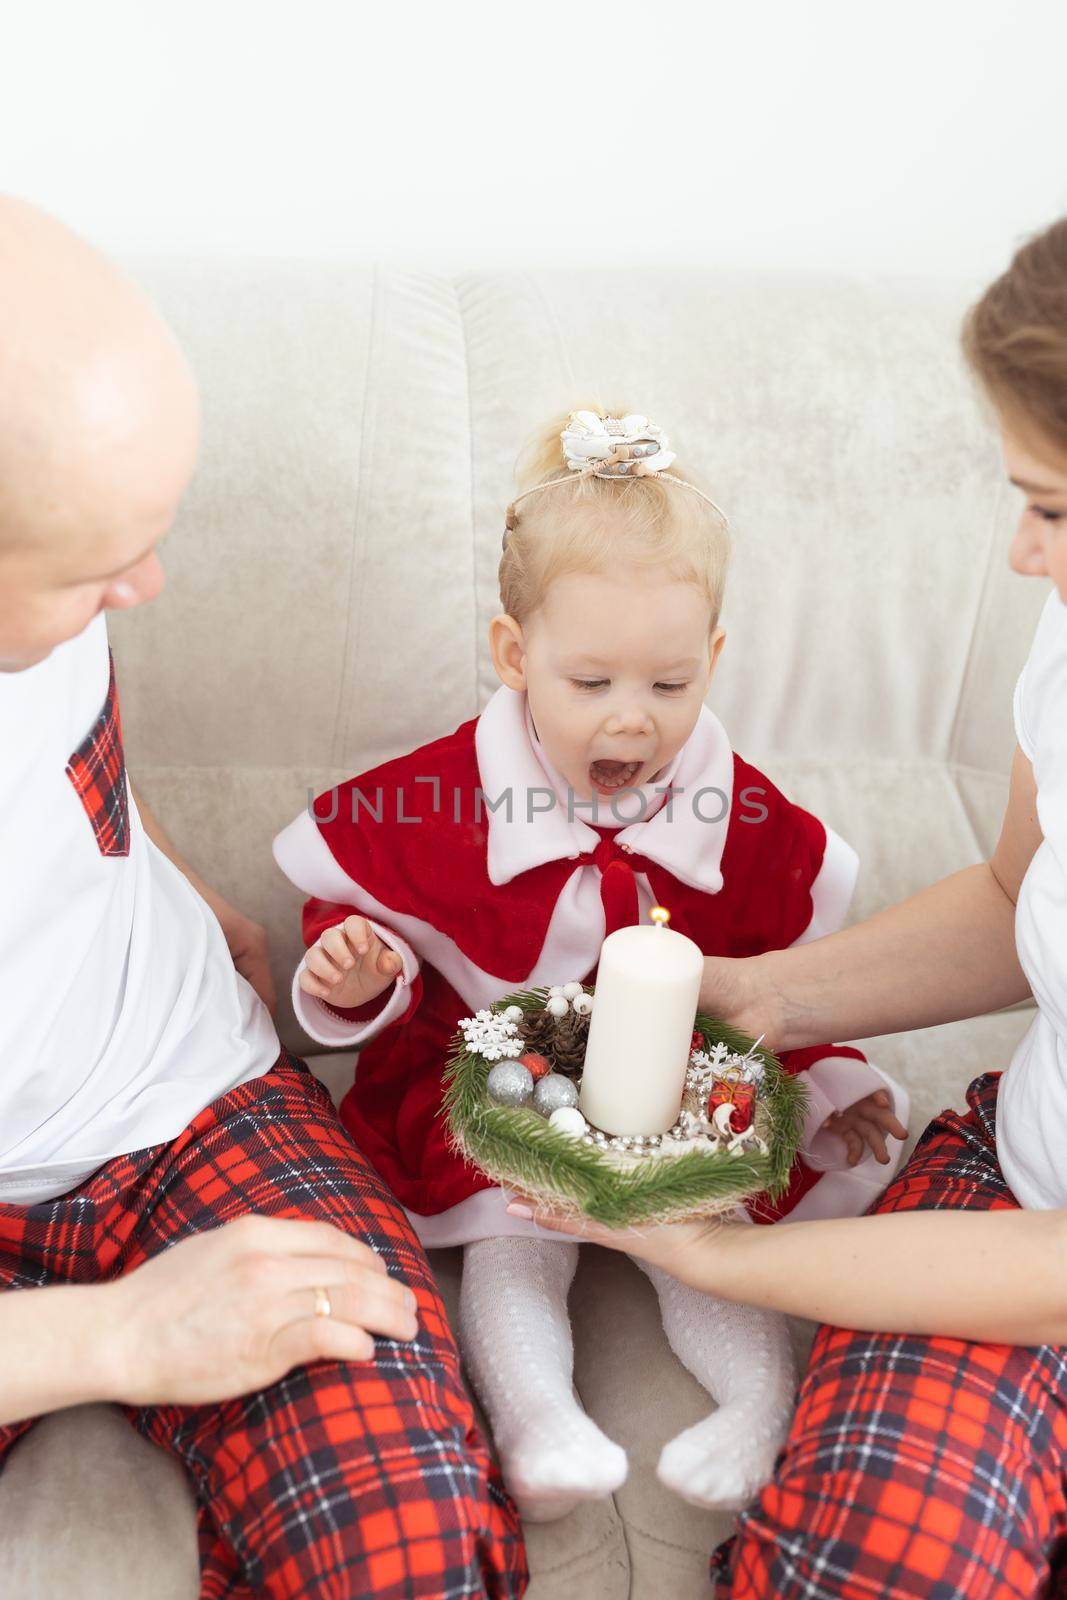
x=552, y=1092
x=509, y=1084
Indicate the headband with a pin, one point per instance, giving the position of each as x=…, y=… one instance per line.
x=612, y=447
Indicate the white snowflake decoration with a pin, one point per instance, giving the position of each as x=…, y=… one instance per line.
x=490, y=1035
x=721, y=1061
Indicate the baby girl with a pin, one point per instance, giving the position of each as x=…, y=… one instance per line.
x=595, y=783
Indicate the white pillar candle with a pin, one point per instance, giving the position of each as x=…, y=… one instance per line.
x=647, y=992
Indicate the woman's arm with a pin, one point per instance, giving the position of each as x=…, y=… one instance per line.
x=992, y=1275
x=947, y=952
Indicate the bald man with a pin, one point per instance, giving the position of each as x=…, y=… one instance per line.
x=144, y=1097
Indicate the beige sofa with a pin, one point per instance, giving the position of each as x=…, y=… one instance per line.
x=330, y=581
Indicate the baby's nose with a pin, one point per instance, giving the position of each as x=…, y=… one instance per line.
x=629, y=719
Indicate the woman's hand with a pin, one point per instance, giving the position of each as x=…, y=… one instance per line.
x=740, y=991
x=680, y=1248
x=349, y=965
x=233, y=1310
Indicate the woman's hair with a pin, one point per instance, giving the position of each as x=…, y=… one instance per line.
x=1015, y=339
x=592, y=524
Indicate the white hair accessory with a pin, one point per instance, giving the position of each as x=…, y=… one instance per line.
x=612, y=447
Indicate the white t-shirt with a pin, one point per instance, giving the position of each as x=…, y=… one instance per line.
x=121, y=1014
x=1032, y=1102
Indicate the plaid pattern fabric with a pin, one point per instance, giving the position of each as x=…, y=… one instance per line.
x=97, y=769
x=341, y=1480
x=915, y=1467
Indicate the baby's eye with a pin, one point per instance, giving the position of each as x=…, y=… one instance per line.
x=589, y=683
x=1047, y=516
x=673, y=688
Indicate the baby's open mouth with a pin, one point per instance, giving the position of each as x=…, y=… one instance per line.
x=608, y=776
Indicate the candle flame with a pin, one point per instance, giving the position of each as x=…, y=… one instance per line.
x=660, y=916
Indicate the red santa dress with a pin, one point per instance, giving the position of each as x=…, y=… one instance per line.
x=472, y=859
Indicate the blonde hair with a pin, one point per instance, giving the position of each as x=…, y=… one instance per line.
x=1015, y=339
x=587, y=523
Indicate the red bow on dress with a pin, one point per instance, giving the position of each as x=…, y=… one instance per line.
x=618, y=891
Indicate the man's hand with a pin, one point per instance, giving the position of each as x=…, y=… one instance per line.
x=867, y=1122
x=349, y=965
x=232, y=1310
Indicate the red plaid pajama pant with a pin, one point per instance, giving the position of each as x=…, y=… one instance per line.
x=343, y=1479
x=918, y=1466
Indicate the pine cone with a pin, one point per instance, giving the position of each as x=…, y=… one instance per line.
x=561, y=1040
x=538, y=1030
x=568, y=1047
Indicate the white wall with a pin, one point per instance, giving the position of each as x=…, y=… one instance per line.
x=915, y=136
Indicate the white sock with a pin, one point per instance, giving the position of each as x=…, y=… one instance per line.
x=744, y=1358
x=516, y=1339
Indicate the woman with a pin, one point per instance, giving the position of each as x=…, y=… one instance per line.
x=932, y=1461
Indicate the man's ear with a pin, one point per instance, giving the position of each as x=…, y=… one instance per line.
x=718, y=639
x=508, y=649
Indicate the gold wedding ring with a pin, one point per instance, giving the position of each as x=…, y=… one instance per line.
x=323, y=1308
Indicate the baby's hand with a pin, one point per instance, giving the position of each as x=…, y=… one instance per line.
x=867, y=1121
x=349, y=964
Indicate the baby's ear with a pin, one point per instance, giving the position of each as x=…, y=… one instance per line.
x=718, y=639
x=508, y=649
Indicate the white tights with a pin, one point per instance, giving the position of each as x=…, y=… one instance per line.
x=516, y=1339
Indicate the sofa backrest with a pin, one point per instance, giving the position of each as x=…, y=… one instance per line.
x=333, y=569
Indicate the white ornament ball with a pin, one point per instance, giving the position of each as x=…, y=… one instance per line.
x=568, y=1120
x=583, y=1004
x=571, y=991
x=552, y=1092
x=514, y=1014
x=557, y=1006
x=509, y=1084
x=557, y=988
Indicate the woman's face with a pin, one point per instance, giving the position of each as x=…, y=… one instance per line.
x=1039, y=548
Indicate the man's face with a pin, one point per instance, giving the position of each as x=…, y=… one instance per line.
x=49, y=594
x=87, y=542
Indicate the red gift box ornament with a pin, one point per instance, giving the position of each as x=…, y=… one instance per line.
x=734, y=1090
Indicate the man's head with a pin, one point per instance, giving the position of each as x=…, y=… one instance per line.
x=99, y=427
